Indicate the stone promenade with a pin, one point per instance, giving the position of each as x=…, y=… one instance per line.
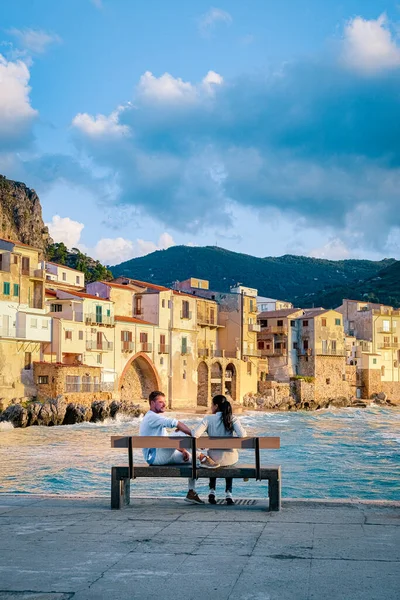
x=63, y=548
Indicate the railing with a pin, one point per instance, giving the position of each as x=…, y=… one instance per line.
x=95, y=319
x=8, y=332
x=304, y=351
x=145, y=347
x=386, y=312
x=276, y=330
x=74, y=388
x=388, y=330
x=201, y=320
x=103, y=346
x=330, y=352
x=256, y=353
x=163, y=349
x=186, y=350
x=254, y=327
x=127, y=346
x=388, y=345
x=5, y=268
x=186, y=314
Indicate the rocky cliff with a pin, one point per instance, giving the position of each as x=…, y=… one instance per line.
x=21, y=215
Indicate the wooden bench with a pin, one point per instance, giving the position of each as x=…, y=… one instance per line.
x=121, y=476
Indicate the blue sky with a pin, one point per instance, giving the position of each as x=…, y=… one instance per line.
x=264, y=127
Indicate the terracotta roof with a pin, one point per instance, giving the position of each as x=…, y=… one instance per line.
x=146, y=284
x=178, y=293
x=314, y=312
x=132, y=320
x=48, y=262
x=50, y=293
x=118, y=285
x=20, y=244
x=84, y=295
x=273, y=314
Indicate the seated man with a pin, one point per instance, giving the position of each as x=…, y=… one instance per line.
x=154, y=423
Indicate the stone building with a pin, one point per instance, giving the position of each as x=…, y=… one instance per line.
x=376, y=353
x=24, y=325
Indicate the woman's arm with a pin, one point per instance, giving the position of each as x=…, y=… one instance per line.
x=200, y=429
x=238, y=428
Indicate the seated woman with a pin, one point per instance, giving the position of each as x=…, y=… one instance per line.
x=221, y=423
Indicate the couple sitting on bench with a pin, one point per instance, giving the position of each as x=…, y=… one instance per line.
x=221, y=423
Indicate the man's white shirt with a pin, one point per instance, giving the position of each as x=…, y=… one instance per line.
x=154, y=424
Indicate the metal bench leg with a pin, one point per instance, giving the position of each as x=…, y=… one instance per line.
x=120, y=489
x=274, y=491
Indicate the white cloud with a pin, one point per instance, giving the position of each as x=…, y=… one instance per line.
x=335, y=249
x=35, y=40
x=369, y=46
x=113, y=251
x=100, y=126
x=16, y=112
x=165, y=241
x=64, y=229
x=97, y=3
x=165, y=88
x=211, y=18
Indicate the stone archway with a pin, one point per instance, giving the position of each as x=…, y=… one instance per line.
x=216, y=379
x=202, y=384
x=138, y=379
x=231, y=381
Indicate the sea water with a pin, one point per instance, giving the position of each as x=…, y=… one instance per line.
x=342, y=453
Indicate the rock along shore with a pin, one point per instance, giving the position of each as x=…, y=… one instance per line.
x=60, y=412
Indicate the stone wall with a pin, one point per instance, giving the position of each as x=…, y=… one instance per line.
x=277, y=390
x=352, y=379
x=329, y=381
x=370, y=382
x=392, y=390
x=56, y=386
x=303, y=391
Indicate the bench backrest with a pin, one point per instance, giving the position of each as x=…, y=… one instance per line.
x=192, y=443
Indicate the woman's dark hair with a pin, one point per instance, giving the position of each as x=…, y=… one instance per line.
x=224, y=406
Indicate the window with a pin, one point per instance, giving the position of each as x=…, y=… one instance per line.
x=249, y=368
x=395, y=340
x=305, y=323
x=333, y=346
x=143, y=338
x=338, y=322
x=6, y=288
x=161, y=360
x=323, y=322
x=268, y=346
x=99, y=314
x=68, y=334
x=295, y=345
x=184, y=375
x=16, y=289
x=386, y=340
x=25, y=265
x=99, y=359
x=45, y=324
x=260, y=345
x=162, y=340
x=28, y=361
x=137, y=310
x=78, y=280
x=64, y=276
x=292, y=323
x=55, y=307
x=280, y=323
x=34, y=323
x=386, y=326
x=327, y=381
x=80, y=335
x=15, y=259
x=163, y=303
x=184, y=345
x=374, y=361
x=43, y=379
x=185, y=309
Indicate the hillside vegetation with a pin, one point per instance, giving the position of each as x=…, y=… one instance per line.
x=288, y=277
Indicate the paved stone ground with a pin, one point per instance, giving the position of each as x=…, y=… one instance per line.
x=77, y=548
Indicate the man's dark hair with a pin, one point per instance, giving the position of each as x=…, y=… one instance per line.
x=154, y=395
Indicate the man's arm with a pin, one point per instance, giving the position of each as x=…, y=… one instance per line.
x=184, y=428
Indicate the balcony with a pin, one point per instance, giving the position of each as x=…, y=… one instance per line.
x=127, y=346
x=330, y=352
x=185, y=351
x=255, y=353
x=279, y=352
x=304, y=351
x=74, y=388
x=388, y=345
x=146, y=347
x=387, y=331
x=254, y=327
x=206, y=321
x=102, y=346
x=387, y=312
x=8, y=332
x=97, y=319
x=186, y=314
x=163, y=349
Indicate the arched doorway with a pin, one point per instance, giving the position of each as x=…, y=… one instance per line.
x=202, y=384
x=138, y=379
x=230, y=381
x=216, y=379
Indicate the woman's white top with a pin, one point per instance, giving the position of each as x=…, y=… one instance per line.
x=214, y=426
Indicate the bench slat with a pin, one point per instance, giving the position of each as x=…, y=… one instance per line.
x=221, y=443
x=241, y=471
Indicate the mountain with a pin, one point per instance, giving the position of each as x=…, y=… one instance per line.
x=21, y=215
x=21, y=221
x=287, y=277
x=384, y=287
